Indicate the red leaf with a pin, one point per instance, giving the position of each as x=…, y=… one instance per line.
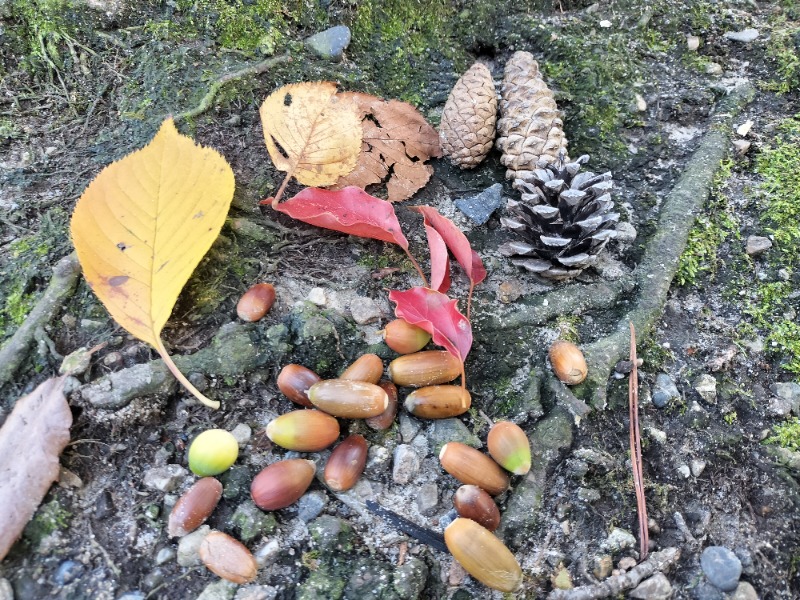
x=456, y=241
x=437, y=314
x=350, y=210
x=440, y=262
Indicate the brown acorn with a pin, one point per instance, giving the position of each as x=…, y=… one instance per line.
x=430, y=367
x=346, y=463
x=509, y=446
x=282, y=483
x=473, y=467
x=472, y=502
x=228, y=558
x=348, y=399
x=386, y=418
x=483, y=555
x=303, y=430
x=367, y=367
x=256, y=302
x=294, y=381
x=438, y=401
x=405, y=338
x=194, y=507
x=567, y=362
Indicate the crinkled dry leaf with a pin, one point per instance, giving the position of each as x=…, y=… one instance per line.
x=31, y=440
x=143, y=225
x=312, y=132
x=397, y=142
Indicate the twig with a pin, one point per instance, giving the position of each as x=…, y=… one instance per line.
x=636, y=450
x=111, y=564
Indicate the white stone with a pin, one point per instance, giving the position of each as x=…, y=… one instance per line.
x=698, y=466
x=619, y=539
x=757, y=244
x=364, y=310
x=744, y=36
x=641, y=104
x=164, y=479
x=706, y=386
x=266, y=554
x=189, y=546
x=406, y=464
x=605, y=23
x=692, y=42
x=744, y=128
x=685, y=471
x=317, y=296
x=742, y=147
x=242, y=433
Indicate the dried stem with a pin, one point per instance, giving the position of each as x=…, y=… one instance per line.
x=636, y=450
x=417, y=267
x=182, y=378
x=276, y=200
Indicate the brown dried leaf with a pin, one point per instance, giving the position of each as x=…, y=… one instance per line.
x=397, y=140
x=31, y=440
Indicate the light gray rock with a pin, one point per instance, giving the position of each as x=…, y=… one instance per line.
x=757, y=244
x=664, y=390
x=267, y=553
x=409, y=427
x=744, y=591
x=165, y=555
x=480, y=207
x=744, y=36
x=189, y=546
x=409, y=578
x=706, y=386
x=789, y=392
x=242, y=434
x=698, y=466
x=6, y=591
x=626, y=233
x=588, y=495
x=218, y=590
x=722, y=567
x=427, y=498
x=618, y=540
x=256, y=592
x=684, y=471
x=656, y=587
x=164, y=479
x=330, y=43
x=406, y=464
x=311, y=505
x=364, y=310
x=442, y=431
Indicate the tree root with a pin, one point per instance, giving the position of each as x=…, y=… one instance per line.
x=614, y=586
x=207, y=100
x=15, y=350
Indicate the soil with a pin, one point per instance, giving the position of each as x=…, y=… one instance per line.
x=635, y=98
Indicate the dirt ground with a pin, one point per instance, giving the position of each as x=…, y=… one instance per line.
x=85, y=83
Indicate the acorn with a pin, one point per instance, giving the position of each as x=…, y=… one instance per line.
x=386, y=418
x=509, y=446
x=303, y=430
x=348, y=399
x=294, y=381
x=367, y=367
x=212, y=452
x=473, y=467
x=472, y=502
x=430, y=367
x=228, y=558
x=438, y=401
x=567, y=362
x=346, y=463
x=405, y=338
x=194, y=507
x=256, y=302
x=483, y=555
x=282, y=483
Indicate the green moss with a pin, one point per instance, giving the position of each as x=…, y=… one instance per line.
x=786, y=435
x=42, y=30
x=49, y=518
x=783, y=52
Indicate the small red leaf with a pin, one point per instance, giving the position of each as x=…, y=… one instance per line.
x=440, y=262
x=456, y=241
x=350, y=210
x=437, y=314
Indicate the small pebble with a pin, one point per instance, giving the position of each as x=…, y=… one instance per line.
x=588, y=495
x=409, y=427
x=744, y=128
x=742, y=147
x=6, y=591
x=268, y=553
x=744, y=591
x=164, y=479
x=656, y=435
x=311, y=505
x=218, y=590
x=757, y=244
x=656, y=587
x=722, y=567
x=619, y=539
x=165, y=555
x=189, y=546
x=406, y=464
x=685, y=471
x=706, y=386
x=256, y=592
x=698, y=466
x=744, y=36
x=68, y=571
x=317, y=296
x=641, y=104
x=664, y=390
x=626, y=563
x=242, y=433
x=602, y=567
x=113, y=360
x=605, y=23
x=330, y=43
x=427, y=498
x=480, y=207
x=692, y=42
x=364, y=310
x=713, y=68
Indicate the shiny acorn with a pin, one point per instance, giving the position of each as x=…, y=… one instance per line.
x=228, y=558
x=294, y=381
x=473, y=467
x=386, y=418
x=438, y=401
x=346, y=463
x=194, y=507
x=430, y=367
x=212, y=452
x=483, y=555
x=348, y=399
x=405, y=338
x=567, y=362
x=472, y=502
x=282, y=483
x=368, y=367
x=256, y=302
x=303, y=430
x=509, y=446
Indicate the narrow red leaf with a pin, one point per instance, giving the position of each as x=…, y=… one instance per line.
x=440, y=262
x=437, y=314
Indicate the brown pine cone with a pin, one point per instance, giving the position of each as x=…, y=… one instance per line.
x=468, y=121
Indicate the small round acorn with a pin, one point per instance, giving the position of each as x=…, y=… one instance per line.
x=212, y=452
x=405, y=338
x=567, y=362
x=256, y=302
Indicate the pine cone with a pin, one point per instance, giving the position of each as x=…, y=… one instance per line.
x=530, y=127
x=563, y=217
x=469, y=118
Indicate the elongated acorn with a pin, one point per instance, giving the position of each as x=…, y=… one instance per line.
x=509, y=446
x=472, y=502
x=228, y=558
x=430, y=367
x=282, y=483
x=348, y=399
x=367, y=367
x=212, y=452
x=194, y=507
x=386, y=418
x=405, y=338
x=303, y=430
x=294, y=381
x=438, y=401
x=473, y=467
x=483, y=555
x=256, y=302
x=567, y=362
x=346, y=463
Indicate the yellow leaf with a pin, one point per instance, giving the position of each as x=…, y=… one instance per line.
x=311, y=132
x=143, y=225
